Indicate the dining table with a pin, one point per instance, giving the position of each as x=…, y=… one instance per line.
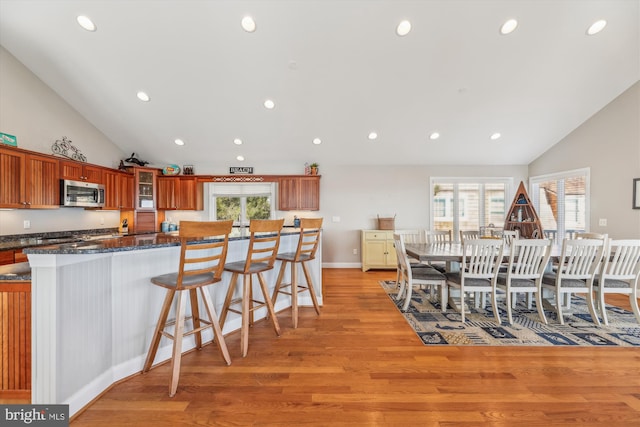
x=452, y=254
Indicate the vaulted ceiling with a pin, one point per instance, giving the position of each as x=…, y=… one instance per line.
x=336, y=70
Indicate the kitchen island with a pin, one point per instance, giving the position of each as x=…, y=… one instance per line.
x=94, y=309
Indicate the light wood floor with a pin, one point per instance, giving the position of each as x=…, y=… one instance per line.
x=360, y=364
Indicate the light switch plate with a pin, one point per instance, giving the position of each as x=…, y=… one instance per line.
x=602, y=222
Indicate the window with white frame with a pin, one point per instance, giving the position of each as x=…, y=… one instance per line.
x=562, y=202
x=242, y=202
x=468, y=203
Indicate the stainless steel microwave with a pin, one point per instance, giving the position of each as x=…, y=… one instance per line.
x=82, y=194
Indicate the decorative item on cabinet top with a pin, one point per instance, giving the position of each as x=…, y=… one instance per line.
x=313, y=168
x=171, y=170
x=386, y=223
x=7, y=139
x=64, y=148
x=136, y=161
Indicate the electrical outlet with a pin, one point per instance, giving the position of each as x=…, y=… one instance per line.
x=602, y=222
x=335, y=219
x=355, y=251
x=26, y=224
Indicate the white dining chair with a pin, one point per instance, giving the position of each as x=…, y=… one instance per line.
x=478, y=271
x=528, y=260
x=578, y=264
x=620, y=274
x=421, y=276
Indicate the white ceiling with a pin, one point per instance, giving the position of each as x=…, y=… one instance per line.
x=336, y=70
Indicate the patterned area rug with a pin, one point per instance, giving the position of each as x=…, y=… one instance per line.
x=437, y=328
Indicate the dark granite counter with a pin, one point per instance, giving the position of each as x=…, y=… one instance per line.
x=107, y=244
x=19, y=271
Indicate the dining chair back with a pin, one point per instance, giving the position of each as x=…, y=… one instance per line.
x=308, y=242
x=478, y=270
x=438, y=237
x=409, y=276
x=578, y=264
x=508, y=236
x=264, y=242
x=528, y=259
x=469, y=234
x=203, y=251
x=620, y=274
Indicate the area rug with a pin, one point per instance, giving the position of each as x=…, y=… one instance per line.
x=437, y=328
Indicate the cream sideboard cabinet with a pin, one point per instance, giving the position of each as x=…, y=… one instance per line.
x=377, y=249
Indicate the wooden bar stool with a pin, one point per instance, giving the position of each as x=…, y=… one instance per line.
x=306, y=251
x=210, y=257
x=261, y=255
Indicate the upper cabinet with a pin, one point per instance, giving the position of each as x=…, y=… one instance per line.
x=79, y=171
x=119, y=190
x=180, y=193
x=28, y=180
x=299, y=193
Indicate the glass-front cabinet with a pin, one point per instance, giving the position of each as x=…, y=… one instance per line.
x=145, y=189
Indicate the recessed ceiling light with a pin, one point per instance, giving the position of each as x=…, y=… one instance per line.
x=373, y=136
x=403, y=28
x=596, y=27
x=240, y=158
x=269, y=104
x=509, y=26
x=86, y=23
x=248, y=24
x=495, y=136
x=434, y=135
x=142, y=96
x=317, y=141
x=237, y=141
x=179, y=142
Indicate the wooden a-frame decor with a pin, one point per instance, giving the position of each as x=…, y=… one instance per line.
x=522, y=216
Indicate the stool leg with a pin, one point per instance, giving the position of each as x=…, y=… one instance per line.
x=177, y=344
x=312, y=291
x=276, y=291
x=294, y=294
x=157, y=334
x=227, y=300
x=215, y=325
x=195, y=316
x=267, y=301
x=246, y=300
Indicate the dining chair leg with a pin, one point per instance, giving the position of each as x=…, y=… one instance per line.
x=540, y=307
x=511, y=298
x=444, y=297
x=215, y=325
x=559, y=305
x=494, y=305
x=633, y=301
x=592, y=309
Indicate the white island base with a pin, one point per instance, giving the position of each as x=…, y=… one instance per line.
x=93, y=316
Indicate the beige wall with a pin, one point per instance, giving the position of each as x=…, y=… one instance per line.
x=37, y=116
x=609, y=144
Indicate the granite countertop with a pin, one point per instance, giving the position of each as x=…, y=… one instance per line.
x=19, y=271
x=129, y=243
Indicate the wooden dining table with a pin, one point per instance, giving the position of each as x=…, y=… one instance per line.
x=451, y=254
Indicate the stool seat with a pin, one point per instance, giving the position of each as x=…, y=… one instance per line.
x=170, y=280
x=261, y=255
x=305, y=251
x=204, y=244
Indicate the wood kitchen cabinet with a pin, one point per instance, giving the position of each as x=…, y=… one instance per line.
x=145, y=182
x=118, y=189
x=28, y=180
x=180, y=193
x=299, y=193
x=78, y=171
x=15, y=339
x=378, y=250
